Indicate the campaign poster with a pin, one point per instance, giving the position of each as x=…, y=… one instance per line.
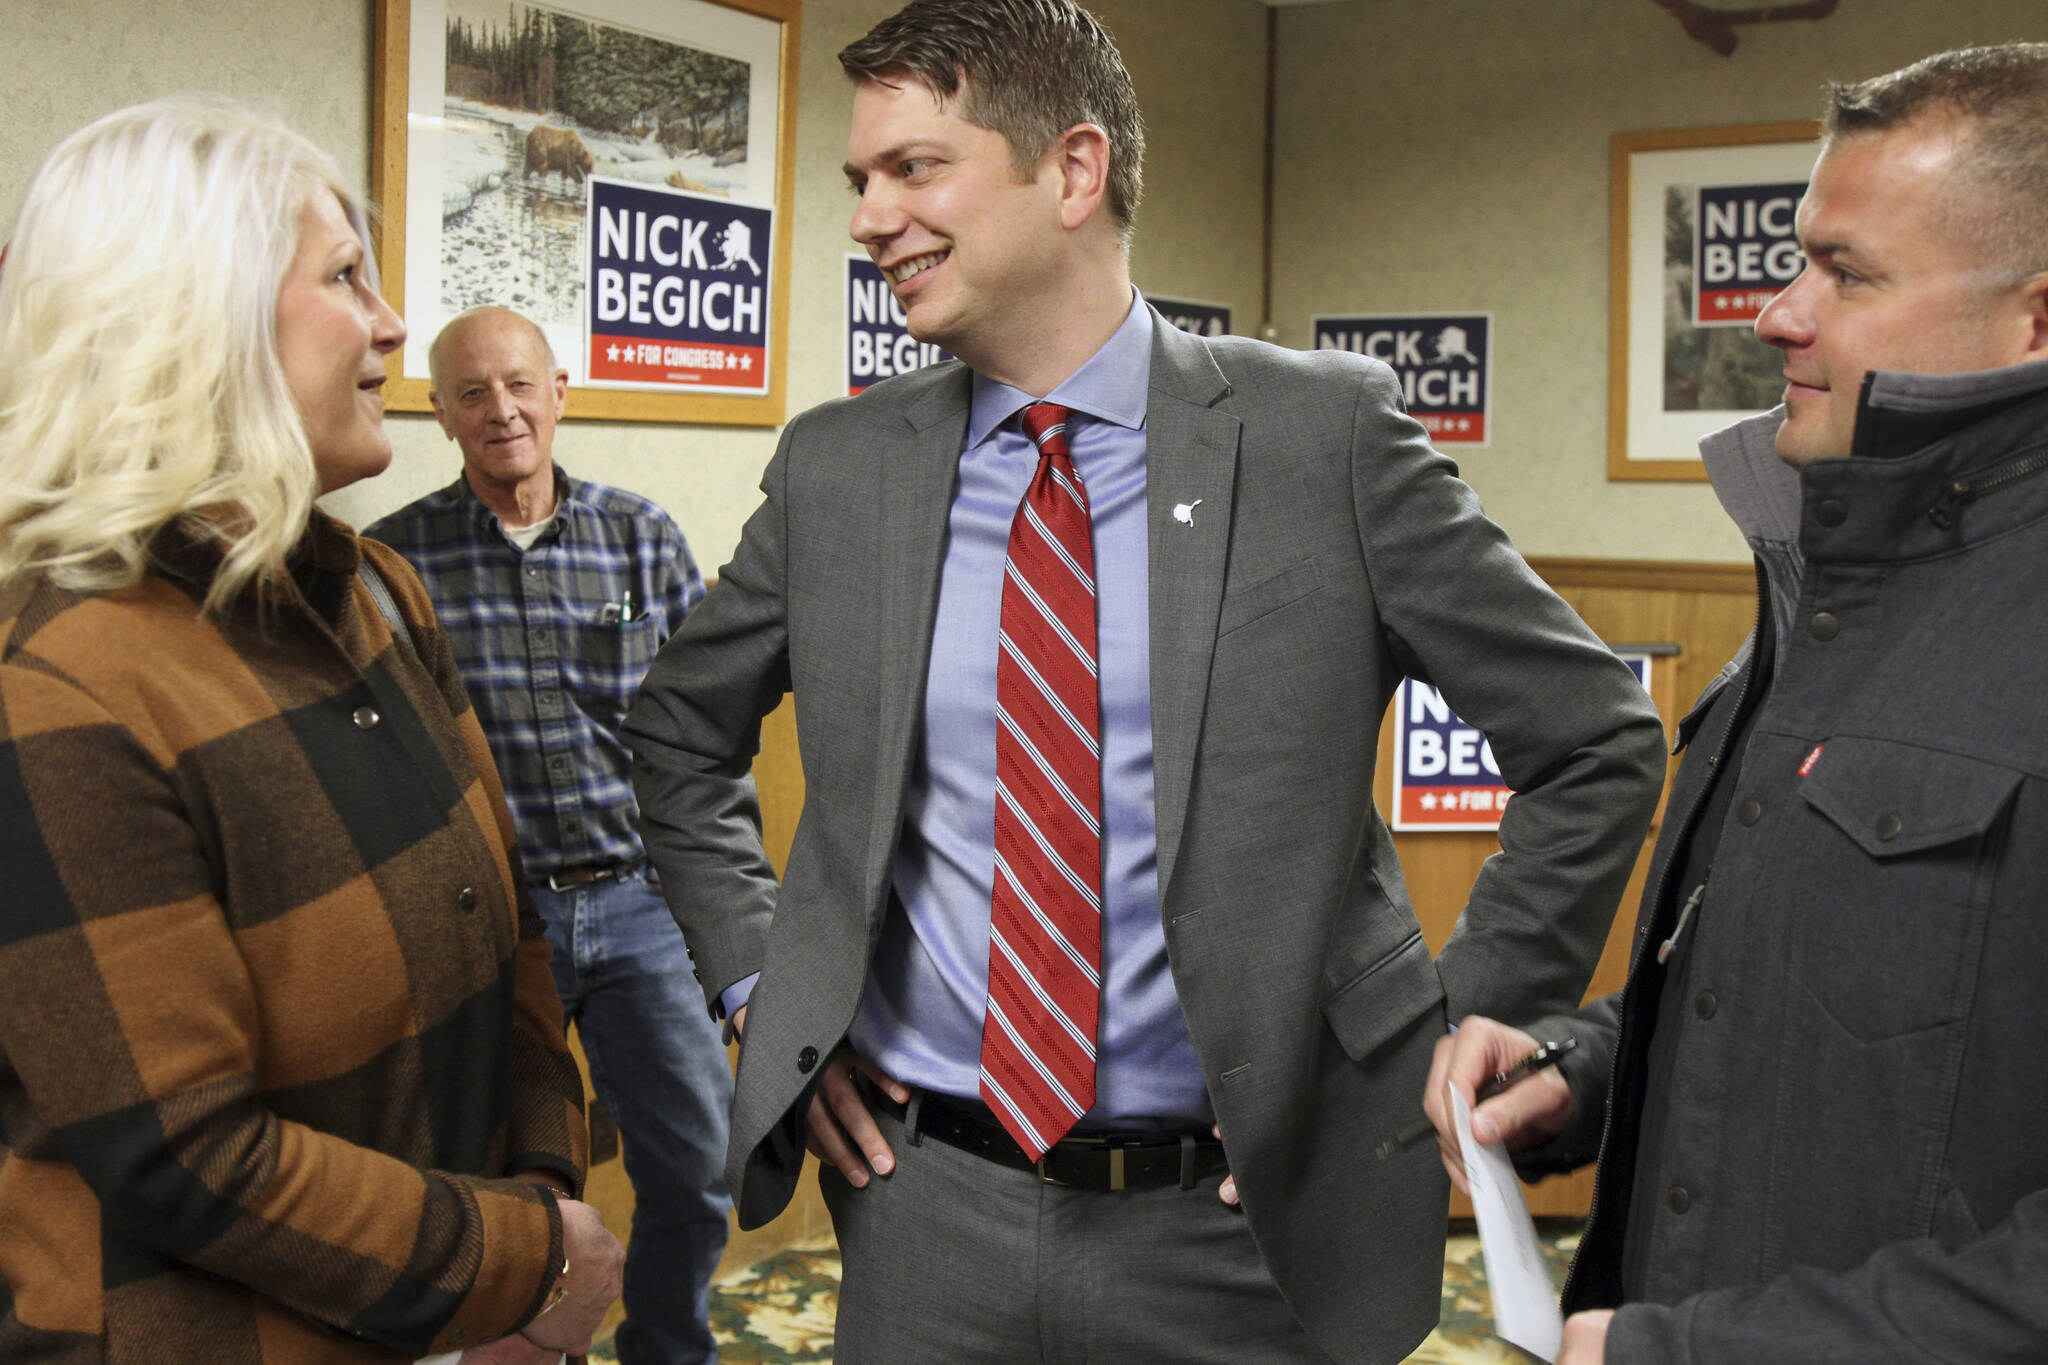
x=1193, y=315
x=1745, y=249
x=1445, y=777
x=1444, y=361
x=677, y=289
x=878, y=339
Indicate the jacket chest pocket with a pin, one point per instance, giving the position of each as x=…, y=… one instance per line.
x=1890, y=898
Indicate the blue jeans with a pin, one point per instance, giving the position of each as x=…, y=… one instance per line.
x=658, y=1065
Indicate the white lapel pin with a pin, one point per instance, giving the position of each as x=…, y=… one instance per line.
x=1184, y=512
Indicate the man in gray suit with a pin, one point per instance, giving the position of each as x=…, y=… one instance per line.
x=1821, y=1091
x=1270, y=545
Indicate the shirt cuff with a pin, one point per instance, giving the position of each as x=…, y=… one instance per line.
x=733, y=998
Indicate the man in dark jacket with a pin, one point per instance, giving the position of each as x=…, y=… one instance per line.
x=1818, y=1103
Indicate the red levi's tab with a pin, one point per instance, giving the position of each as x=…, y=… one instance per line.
x=1807, y=766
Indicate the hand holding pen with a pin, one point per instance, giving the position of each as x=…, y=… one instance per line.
x=1520, y=1097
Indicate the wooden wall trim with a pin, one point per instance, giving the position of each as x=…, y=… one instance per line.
x=1665, y=575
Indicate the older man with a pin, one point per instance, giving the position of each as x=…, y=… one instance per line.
x=1090, y=635
x=555, y=594
x=1821, y=1090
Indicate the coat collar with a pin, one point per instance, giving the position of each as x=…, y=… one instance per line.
x=1918, y=439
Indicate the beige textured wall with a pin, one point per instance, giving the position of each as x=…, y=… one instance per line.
x=1198, y=66
x=1433, y=154
x=1452, y=155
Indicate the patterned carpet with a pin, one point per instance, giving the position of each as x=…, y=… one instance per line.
x=779, y=1311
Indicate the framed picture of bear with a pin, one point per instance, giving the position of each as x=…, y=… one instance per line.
x=620, y=172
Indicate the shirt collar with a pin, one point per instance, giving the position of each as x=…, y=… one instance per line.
x=1111, y=385
x=568, y=493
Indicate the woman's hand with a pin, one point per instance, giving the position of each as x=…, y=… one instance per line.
x=596, y=1268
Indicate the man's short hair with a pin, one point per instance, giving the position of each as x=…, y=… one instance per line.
x=2000, y=94
x=1032, y=69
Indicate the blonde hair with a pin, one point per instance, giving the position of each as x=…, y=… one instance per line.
x=139, y=379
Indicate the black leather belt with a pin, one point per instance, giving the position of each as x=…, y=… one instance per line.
x=1094, y=1161
x=569, y=878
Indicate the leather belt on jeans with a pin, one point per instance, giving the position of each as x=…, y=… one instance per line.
x=569, y=878
x=1094, y=1161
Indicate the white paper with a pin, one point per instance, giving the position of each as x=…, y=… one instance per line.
x=1525, y=1310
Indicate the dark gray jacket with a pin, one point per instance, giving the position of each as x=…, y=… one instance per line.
x=1848, y=1150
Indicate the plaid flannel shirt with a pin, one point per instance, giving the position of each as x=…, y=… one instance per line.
x=553, y=643
x=276, y=1025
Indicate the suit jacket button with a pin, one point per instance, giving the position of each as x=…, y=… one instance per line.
x=806, y=1059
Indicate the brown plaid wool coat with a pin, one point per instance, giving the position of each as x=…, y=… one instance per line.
x=276, y=1026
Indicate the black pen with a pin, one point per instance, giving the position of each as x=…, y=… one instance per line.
x=1545, y=1056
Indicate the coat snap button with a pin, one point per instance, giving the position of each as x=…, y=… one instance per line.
x=466, y=898
x=806, y=1059
x=1888, y=827
x=1831, y=512
x=1750, y=811
x=1824, y=626
x=1680, y=1199
x=1705, y=1004
x=366, y=717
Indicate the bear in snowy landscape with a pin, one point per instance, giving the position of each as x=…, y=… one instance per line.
x=557, y=149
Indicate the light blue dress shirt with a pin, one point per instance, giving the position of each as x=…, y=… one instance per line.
x=921, y=1017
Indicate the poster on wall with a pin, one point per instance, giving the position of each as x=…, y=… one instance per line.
x=1745, y=248
x=1444, y=361
x=1445, y=777
x=878, y=343
x=1193, y=315
x=1704, y=236
x=676, y=290
x=502, y=123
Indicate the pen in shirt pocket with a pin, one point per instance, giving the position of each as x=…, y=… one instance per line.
x=619, y=614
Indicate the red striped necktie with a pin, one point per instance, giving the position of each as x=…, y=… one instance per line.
x=1045, y=926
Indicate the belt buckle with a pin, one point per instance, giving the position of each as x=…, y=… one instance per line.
x=1116, y=1170
x=584, y=874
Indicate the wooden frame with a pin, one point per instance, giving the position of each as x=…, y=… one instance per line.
x=1645, y=439
x=398, y=21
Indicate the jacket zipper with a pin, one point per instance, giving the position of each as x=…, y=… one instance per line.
x=1664, y=890
x=1958, y=493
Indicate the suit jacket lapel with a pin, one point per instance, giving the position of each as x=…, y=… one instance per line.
x=918, y=469
x=1190, y=454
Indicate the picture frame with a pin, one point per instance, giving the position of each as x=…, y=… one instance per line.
x=1672, y=378
x=469, y=214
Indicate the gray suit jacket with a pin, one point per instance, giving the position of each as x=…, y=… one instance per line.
x=1335, y=552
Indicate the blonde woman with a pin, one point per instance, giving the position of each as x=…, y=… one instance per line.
x=282, y=1076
